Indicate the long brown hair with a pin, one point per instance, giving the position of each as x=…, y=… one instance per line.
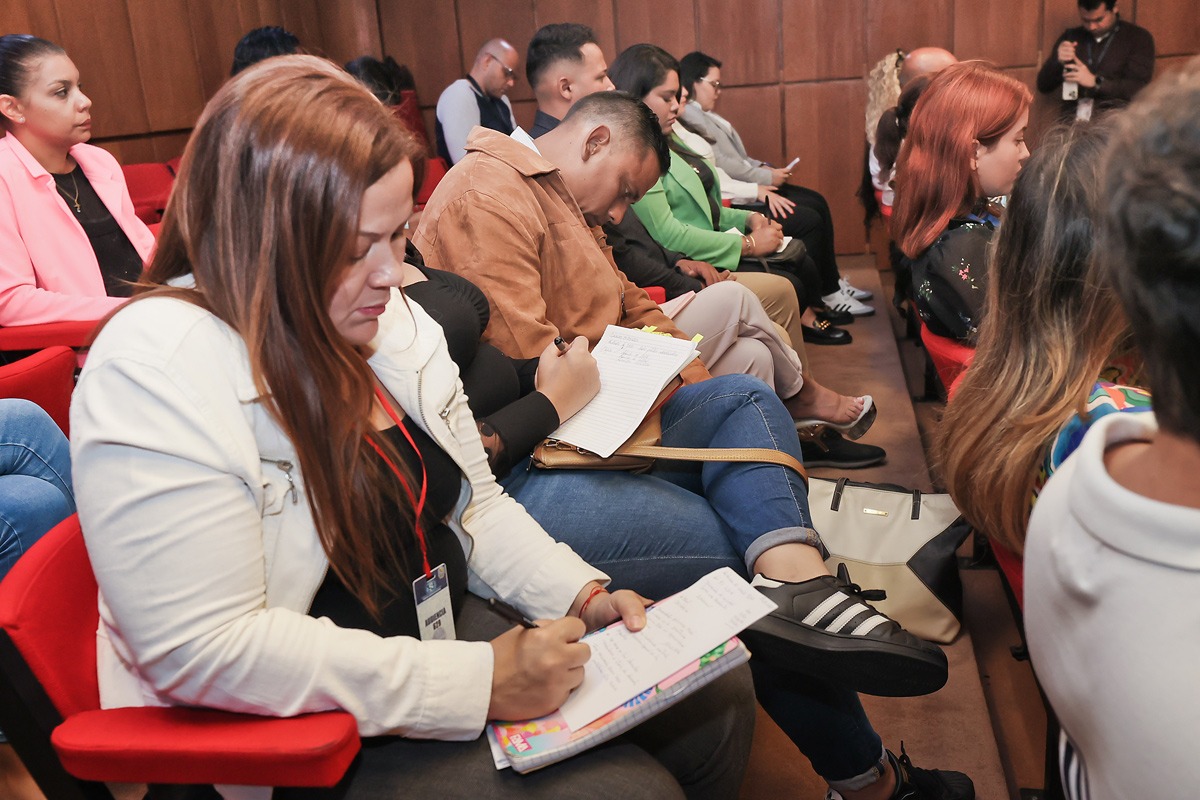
x=965, y=103
x=264, y=216
x=1052, y=320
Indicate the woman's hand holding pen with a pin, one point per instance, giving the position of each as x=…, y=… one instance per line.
x=534, y=669
x=568, y=377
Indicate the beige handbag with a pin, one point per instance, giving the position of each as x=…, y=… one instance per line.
x=899, y=540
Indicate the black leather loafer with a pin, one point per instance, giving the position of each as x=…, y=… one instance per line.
x=825, y=333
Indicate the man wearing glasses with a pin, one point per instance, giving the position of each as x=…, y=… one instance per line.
x=478, y=99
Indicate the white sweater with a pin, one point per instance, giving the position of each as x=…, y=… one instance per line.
x=207, y=557
x=1111, y=581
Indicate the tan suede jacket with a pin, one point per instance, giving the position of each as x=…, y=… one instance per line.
x=504, y=219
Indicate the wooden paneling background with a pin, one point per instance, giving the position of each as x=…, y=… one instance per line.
x=794, y=68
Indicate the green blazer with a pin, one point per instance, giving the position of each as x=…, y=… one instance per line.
x=676, y=212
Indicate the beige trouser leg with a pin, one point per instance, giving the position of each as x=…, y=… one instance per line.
x=739, y=337
x=779, y=301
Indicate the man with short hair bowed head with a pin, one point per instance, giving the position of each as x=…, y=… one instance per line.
x=481, y=98
x=1101, y=64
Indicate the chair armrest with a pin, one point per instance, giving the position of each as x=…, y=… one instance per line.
x=193, y=745
x=35, y=337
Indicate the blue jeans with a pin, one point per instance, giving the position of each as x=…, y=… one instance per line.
x=35, y=479
x=660, y=532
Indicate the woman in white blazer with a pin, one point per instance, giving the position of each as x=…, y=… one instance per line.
x=273, y=455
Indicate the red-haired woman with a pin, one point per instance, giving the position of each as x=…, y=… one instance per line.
x=965, y=146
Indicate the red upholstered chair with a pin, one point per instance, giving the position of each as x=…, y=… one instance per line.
x=950, y=357
x=47, y=378
x=50, y=709
x=408, y=111
x=657, y=293
x=435, y=170
x=149, y=187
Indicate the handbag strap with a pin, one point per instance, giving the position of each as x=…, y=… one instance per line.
x=739, y=454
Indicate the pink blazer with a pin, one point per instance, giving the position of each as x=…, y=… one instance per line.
x=48, y=270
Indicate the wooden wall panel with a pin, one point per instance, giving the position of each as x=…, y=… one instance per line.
x=823, y=121
x=1171, y=63
x=908, y=24
x=757, y=113
x=303, y=18
x=1057, y=16
x=599, y=16
x=478, y=22
x=823, y=39
x=166, y=63
x=670, y=24
x=976, y=25
x=1174, y=23
x=99, y=40
x=430, y=49
x=350, y=28
x=746, y=41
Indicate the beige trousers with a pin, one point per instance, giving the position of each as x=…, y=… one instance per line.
x=778, y=299
x=739, y=337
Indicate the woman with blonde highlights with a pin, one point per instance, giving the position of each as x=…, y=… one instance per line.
x=966, y=144
x=274, y=455
x=1051, y=326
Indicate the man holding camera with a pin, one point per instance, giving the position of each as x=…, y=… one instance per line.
x=1101, y=64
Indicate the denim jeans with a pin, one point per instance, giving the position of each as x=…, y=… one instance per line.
x=35, y=479
x=660, y=532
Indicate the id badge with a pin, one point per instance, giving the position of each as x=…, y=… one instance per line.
x=435, y=616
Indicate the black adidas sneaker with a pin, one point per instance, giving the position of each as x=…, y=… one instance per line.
x=825, y=628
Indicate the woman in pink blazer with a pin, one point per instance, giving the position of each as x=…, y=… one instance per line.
x=69, y=240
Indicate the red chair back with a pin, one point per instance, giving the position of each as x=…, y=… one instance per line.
x=48, y=608
x=408, y=111
x=950, y=357
x=435, y=170
x=47, y=378
x=149, y=187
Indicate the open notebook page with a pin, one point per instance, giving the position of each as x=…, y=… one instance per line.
x=634, y=368
x=679, y=629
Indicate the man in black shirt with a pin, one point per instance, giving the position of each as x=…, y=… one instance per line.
x=1101, y=64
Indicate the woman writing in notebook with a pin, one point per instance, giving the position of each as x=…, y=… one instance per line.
x=274, y=462
x=70, y=244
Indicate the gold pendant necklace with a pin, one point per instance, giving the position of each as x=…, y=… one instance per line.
x=75, y=185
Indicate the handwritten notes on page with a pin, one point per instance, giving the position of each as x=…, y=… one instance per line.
x=678, y=630
x=634, y=368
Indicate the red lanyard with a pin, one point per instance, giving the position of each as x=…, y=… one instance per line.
x=418, y=503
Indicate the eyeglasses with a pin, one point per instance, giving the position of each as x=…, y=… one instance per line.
x=509, y=74
x=715, y=84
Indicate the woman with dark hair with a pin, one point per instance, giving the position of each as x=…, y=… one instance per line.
x=889, y=137
x=263, y=43
x=70, y=242
x=803, y=212
x=965, y=145
x=271, y=446
x=1043, y=364
x=683, y=210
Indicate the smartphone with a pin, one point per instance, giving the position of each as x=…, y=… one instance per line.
x=792, y=165
x=1070, y=90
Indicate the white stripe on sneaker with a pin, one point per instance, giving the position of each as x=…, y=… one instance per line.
x=830, y=603
x=869, y=625
x=846, y=617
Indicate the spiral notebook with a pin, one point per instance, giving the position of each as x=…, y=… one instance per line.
x=533, y=744
x=633, y=676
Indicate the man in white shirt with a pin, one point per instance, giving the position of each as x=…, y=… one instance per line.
x=478, y=99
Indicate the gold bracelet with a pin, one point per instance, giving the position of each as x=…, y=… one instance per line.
x=750, y=242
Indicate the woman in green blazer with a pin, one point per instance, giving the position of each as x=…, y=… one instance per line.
x=683, y=210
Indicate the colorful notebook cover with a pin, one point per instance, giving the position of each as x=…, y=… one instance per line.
x=537, y=743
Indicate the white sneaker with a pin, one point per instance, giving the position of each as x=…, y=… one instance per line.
x=841, y=300
x=853, y=291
